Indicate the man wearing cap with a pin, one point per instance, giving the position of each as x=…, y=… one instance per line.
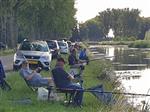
x=63, y=80
x=33, y=77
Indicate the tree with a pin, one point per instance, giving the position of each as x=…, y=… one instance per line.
x=124, y=22
x=91, y=30
x=36, y=19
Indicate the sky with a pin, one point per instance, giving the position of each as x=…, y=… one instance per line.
x=87, y=9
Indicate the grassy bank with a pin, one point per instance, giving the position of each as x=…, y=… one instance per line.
x=140, y=44
x=132, y=44
x=115, y=42
x=94, y=74
x=6, y=52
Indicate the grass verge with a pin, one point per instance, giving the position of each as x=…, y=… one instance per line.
x=90, y=104
x=115, y=42
x=6, y=52
x=140, y=44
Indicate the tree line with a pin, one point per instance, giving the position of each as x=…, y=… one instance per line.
x=35, y=19
x=125, y=23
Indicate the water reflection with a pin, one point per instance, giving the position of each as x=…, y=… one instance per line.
x=132, y=67
x=110, y=52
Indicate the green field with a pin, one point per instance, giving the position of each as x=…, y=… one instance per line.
x=90, y=103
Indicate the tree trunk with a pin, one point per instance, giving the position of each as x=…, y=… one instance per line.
x=13, y=31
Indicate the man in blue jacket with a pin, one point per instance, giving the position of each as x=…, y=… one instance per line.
x=83, y=55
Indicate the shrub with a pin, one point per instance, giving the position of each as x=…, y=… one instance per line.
x=140, y=44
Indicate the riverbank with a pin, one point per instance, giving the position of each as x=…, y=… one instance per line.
x=140, y=44
x=93, y=75
x=131, y=44
x=123, y=59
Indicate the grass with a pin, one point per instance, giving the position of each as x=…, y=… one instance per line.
x=140, y=44
x=6, y=52
x=115, y=42
x=90, y=103
x=132, y=44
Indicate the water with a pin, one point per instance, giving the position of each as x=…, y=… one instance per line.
x=132, y=66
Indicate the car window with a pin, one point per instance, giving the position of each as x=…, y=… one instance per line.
x=27, y=46
x=40, y=47
x=34, y=46
x=61, y=44
x=51, y=44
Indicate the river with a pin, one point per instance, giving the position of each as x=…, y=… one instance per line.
x=132, y=66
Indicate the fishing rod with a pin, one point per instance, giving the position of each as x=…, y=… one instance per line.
x=95, y=59
x=98, y=91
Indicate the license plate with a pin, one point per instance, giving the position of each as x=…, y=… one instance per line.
x=32, y=62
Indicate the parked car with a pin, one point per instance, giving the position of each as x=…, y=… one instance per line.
x=2, y=45
x=54, y=47
x=37, y=53
x=63, y=47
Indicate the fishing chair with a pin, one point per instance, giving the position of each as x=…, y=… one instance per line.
x=69, y=95
x=77, y=72
x=3, y=84
x=35, y=88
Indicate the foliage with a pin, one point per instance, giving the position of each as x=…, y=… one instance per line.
x=35, y=19
x=91, y=30
x=118, y=38
x=140, y=44
x=124, y=23
x=147, y=35
x=7, y=52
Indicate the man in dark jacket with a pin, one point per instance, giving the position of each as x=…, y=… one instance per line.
x=3, y=84
x=72, y=59
x=2, y=73
x=63, y=80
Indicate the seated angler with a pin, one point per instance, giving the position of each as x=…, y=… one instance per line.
x=83, y=55
x=73, y=61
x=33, y=77
x=63, y=80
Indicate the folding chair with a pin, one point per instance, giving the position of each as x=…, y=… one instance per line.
x=69, y=94
x=3, y=84
x=35, y=88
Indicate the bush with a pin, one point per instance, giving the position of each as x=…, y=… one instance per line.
x=119, y=38
x=140, y=44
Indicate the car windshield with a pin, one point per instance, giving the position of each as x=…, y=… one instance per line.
x=34, y=46
x=51, y=44
x=61, y=44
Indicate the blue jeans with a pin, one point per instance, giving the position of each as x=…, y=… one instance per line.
x=78, y=94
